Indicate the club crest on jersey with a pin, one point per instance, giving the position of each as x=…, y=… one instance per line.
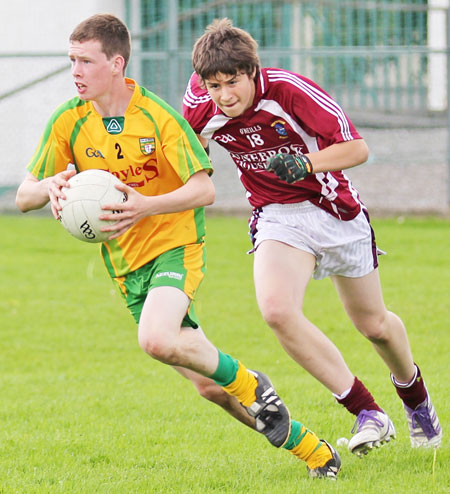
x=279, y=126
x=147, y=145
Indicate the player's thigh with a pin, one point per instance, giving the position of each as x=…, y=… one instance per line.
x=362, y=299
x=163, y=312
x=175, y=274
x=281, y=272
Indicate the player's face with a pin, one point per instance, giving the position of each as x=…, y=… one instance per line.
x=91, y=69
x=233, y=94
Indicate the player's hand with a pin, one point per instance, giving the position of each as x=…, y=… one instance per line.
x=54, y=188
x=126, y=214
x=289, y=167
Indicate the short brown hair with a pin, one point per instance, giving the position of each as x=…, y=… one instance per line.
x=226, y=49
x=110, y=31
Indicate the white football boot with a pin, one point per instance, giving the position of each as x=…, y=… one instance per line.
x=372, y=429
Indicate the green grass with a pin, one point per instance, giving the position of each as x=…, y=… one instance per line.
x=84, y=410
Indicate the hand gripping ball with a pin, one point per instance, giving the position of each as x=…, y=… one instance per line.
x=88, y=191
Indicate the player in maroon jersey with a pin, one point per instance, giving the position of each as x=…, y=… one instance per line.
x=290, y=141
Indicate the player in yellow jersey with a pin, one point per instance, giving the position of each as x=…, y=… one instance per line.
x=156, y=251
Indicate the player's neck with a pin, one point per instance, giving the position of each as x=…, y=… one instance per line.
x=115, y=102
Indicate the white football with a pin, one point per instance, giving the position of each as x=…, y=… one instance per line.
x=342, y=442
x=88, y=192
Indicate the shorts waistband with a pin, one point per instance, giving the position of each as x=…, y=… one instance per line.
x=296, y=207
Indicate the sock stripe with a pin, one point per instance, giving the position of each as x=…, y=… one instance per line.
x=405, y=385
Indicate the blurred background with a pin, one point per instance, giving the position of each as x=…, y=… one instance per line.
x=385, y=61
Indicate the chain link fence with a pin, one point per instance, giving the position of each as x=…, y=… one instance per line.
x=384, y=61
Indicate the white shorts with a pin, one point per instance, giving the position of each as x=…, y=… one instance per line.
x=344, y=248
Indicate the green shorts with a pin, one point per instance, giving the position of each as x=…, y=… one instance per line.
x=182, y=267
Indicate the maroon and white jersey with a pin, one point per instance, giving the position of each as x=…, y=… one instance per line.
x=290, y=114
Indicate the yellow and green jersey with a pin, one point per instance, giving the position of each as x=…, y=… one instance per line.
x=151, y=148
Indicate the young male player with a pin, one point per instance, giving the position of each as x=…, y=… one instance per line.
x=290, y=141
x=156, y=252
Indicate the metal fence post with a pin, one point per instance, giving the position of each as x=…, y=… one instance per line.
x=135, y=66
x=437, y=43
x=448, y=105
x=173, y=62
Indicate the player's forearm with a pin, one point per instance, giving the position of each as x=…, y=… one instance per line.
x=203, y=141
x=339, y=156
x=32, y=195
x=197, y=192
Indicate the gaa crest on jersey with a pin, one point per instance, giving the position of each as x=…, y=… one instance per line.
x=147, y=145
x=280, y=127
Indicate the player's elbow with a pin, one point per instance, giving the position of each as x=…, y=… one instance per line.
x=210, y=196
x=20, y=206
x=205, y=190
x=202, y=189
x=362, y=151
x=22, y=203
x=31, y=195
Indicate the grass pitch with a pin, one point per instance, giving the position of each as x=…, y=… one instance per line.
x=84, y=410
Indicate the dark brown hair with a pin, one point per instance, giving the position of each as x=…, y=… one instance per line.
x=110, y=31
x=226, y=49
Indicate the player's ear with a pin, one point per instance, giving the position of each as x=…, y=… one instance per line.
x=118, y=64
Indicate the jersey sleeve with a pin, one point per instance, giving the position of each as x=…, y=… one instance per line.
x=196, y=102
x=183, y=150
x=317, y=110
x=53, y=153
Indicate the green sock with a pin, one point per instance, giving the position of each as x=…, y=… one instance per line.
x=226, y=370
x=294, y=437
x=306, y=446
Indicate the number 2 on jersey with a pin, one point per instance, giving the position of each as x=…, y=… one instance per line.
x=119, y=151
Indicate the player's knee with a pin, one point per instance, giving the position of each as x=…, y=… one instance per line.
x=275, y=312
x=158, y=348
x=375, y=328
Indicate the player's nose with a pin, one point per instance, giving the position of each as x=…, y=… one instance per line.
x=75, y=68
x=226, y=94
